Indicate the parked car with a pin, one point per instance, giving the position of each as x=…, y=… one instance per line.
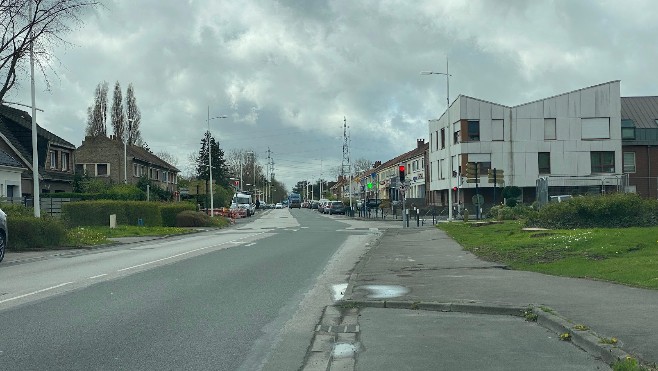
x=3, y=234
x=314, y=205
x=321, y=204
x=336, y=207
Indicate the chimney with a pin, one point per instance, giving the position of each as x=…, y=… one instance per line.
x=420, y=143
x=377, y=164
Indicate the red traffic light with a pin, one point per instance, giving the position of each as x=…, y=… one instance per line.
x=401, y=167
x=454, y=189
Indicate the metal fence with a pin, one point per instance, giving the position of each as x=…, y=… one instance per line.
x=571, y=185
x=50, y=206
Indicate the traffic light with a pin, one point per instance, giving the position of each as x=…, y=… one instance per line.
x=455, y=189
x=369, y=185
x=401, y=171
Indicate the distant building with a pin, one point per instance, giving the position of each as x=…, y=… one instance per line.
x=103, y=158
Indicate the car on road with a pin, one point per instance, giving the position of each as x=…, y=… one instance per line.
x=336, y=207
x=278, y=205
x=3, y=234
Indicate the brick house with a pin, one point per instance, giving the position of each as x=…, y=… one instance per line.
x=103, y=157
x=55, y=155
x=639, y=140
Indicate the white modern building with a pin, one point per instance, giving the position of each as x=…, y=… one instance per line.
x=573, y=138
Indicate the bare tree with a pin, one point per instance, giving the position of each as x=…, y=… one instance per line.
x=117, y=115
x=97, y=112
x=361, y=164
x=168, y=158
x=41, y=29
x=133, y=116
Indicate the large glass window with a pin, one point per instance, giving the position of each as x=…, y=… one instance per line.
x=473, y=131
x=443, y=138
x=65, y=161
x=603, y=162
x=627, y=133
x=544, y=162
x=629, y=162
x=549, y=129
x=53, y=159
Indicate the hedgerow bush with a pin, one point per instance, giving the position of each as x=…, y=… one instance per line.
x=598, y=211
x=191, y=218
x=28, y=232
x=169, y=212
x=503, y=212
x=89, y=213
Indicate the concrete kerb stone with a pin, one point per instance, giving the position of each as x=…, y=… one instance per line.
x=587, y=340
x=504, y=310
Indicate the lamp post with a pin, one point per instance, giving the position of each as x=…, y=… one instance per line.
x=212, y=199
x=447, y=75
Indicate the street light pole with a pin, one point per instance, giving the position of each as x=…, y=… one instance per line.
x=212, y=199
x=447, y=75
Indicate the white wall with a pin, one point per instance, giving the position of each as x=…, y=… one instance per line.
x=10, y=176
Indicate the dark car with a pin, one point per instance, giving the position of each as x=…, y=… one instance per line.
x=336, y=207
x=3, y=234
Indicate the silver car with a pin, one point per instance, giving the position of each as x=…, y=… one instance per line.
x=3, y=234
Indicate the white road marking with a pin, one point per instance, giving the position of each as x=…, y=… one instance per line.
x=36, y=292
x=97, y=276
x=185, y=253
x=250, y=244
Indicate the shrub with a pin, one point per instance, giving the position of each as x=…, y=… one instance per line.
x=28, y=232
x=190, y=218
x=170, y=211
x=602, y=211
x=501, y=212
x=13, y=210
x=511, y=193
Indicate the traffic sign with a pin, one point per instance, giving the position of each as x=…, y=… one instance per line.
x=478, y=199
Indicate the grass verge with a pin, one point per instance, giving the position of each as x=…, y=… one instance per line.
x=622, y=255
x=93, y=236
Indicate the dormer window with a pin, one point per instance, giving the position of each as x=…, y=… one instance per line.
x=628, y=129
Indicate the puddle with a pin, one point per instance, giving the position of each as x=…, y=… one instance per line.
x=338, y=291
x=385, y=291
x=343, y=350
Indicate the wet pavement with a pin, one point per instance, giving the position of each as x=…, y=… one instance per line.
x=417, y=300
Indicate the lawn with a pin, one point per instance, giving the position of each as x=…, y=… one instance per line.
x=628, y=256
x=92, y=236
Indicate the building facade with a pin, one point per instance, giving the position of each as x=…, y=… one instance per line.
x=572, y=139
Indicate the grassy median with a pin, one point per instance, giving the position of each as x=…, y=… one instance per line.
x=623, y=255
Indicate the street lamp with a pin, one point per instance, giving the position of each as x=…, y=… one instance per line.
x=447, y=75
x=212, y=199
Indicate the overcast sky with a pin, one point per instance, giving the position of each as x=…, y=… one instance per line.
x=287, y=72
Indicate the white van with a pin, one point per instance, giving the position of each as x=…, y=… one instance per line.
x=243, y=200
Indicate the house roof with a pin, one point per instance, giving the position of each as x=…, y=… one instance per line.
x=642, y=110
x=7, y=160
x=16, y=130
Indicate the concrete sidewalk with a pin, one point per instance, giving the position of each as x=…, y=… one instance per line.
x=420, y=274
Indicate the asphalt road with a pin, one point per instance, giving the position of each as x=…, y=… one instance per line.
x=242, y=298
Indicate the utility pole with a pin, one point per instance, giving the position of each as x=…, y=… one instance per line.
x=346, y=161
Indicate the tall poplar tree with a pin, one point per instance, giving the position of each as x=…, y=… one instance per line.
x=97, y=112
x=133, y=116
x=117, y=115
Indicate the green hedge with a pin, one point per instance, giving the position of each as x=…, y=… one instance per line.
x=609, y=211
x=28, y=232
x=169, y=212
x=88, y=213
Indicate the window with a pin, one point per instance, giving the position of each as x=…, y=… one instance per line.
x=441, y=165
x=497, y=130
x=627, y=133
x=544, y=162
x=79, y=168
x=473, y=131
x=596, y=128
x=549, y=130
x=65, y=161
x=101, y=169
x=455, y=135
x=443, y=138
x=603, y=162
x=629, y=162
x=135, y=171
x=53, y=159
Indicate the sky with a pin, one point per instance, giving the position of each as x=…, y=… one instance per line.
x=289, y=73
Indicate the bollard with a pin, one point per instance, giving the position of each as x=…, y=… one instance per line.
x=407, y=217
x=417, y=217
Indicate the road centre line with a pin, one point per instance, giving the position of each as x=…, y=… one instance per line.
x=185, y=253
x=97, y=276
x=36, y=292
